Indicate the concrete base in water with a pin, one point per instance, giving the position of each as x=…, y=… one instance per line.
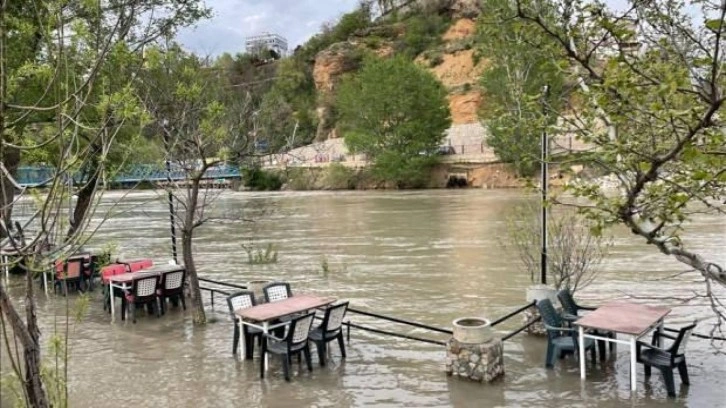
x=538, y=328
x=482, y=362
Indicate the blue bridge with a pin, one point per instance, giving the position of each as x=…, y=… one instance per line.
x=35, y=176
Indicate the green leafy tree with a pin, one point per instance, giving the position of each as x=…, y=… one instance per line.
x=65, y=96
x=650, y=103
x=522, y=63
x=396, y=113
x=199, y=119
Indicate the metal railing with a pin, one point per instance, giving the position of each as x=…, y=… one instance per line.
x=392, y=319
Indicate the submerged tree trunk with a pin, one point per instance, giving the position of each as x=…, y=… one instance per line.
x=28, y=334
x=197, y=306
x=190, y=224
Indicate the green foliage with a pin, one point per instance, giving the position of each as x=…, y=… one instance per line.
x=423, y=31
x=396, y=113
x=260, y=180
x=338, y=177
x=257, y=256
x=523, y=61
x=342, y=30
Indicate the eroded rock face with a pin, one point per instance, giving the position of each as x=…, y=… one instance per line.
x=333, y=62
x=464, y=107
x=455, y=8
x=462, y=28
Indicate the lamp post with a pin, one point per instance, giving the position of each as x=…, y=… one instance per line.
x=545, y=178
x=170, y=197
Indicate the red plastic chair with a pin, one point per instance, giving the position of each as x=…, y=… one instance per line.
x=106, y=273
x=135, y=266
x=110, y=270
x=69, y=272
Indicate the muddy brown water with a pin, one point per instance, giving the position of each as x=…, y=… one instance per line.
x=428, y=256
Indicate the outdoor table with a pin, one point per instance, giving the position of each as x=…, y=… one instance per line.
x=125, y=280
x=629, y=319
x=260, y=316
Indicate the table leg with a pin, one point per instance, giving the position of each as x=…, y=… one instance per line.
x=633, y=367
x=110, y=299
x=265, y=329
x=660, y=331
x=581, y=343
x=242, y=345
x=45, y=282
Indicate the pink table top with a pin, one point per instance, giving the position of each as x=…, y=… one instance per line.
x=275, y=310
x=153, y=271
x=624, y=317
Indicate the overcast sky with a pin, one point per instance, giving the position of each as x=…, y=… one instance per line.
x=233, y=20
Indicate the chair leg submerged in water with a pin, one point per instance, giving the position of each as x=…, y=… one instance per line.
x=667, y=359
x=294, y=342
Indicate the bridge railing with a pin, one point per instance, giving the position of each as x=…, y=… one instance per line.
x=39, y=175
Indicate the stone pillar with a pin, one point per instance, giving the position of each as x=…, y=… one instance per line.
x=481, y=362
x=538, y=328
x=535, y=293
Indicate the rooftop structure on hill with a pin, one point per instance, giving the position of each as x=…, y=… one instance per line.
x=266, y=42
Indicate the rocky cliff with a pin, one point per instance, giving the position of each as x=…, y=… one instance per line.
x=452, y=60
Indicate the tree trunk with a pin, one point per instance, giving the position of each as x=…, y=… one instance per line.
x=197, y=306
x=29, y=335
x=190, y=225
x=85, y=198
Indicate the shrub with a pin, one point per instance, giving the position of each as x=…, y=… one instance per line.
x=261, y=180
x=339, y=177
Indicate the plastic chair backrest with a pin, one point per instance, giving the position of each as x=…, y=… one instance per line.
x=145, y=287
x=567, y=302
x=277, y=291
x=110, y=270
x=334, y=315
x=173, y=280
x=136, y=266
x=679, y=345
x=240, y=300
x=69, y=269
x=549, y=314
x=300, y=329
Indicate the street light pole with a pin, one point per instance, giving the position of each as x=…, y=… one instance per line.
x=170, y=196
x=545, y=179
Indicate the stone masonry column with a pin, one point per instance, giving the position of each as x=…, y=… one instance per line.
x=473, y=353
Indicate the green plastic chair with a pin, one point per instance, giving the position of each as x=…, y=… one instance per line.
x=572, y=312
x=560, y=338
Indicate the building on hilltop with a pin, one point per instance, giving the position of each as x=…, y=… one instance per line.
x=259, y=44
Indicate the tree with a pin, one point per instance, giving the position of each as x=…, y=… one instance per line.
x=522, y=63
x=200, y=124
x=574, y=254
x=59, y=99
x=650, y=103
x=396, y=113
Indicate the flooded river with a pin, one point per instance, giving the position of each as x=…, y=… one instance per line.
x=428, y=256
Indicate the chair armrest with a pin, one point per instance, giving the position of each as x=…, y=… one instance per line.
x=657, y=334
x=565, y=329
x=568, y=317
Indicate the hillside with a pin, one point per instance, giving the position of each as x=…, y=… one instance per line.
x=447, y=53
x=299, y=107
